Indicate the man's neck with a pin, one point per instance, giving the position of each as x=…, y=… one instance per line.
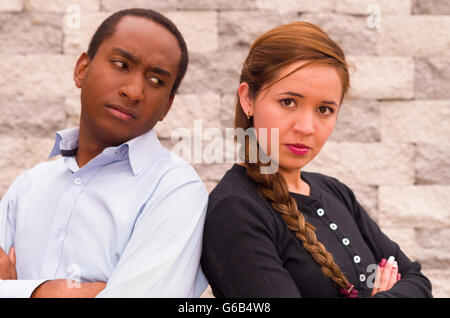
x=88, y=147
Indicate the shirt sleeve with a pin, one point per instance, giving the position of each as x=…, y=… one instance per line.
x=240, y=258
x=19, y=288
x=8, y=207
x=413, y=282
x=162, y=256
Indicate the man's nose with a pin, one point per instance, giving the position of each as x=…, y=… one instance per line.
x=133, y=88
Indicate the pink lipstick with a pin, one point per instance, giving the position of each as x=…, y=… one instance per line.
x=298, y=149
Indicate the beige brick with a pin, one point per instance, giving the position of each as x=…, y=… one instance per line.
x=363, y=7
x=11, y=6
x=212, y=172
x=207, y=293
x=382, y=77
x=238, y=29
x=227, y=110
x=433, y=163
x=432, y=247
x=350, y=32
x=19, y=154
x=216, y=72
x=417, y=206
x=295, y=5
x=432, y=75
x=37, y=75
x=21, y=117
x=166, y=5
x=414, y=36
x=31, y=33
x=72, y=109
x=188, y=108
x=366, y=163
x=440, y=281
x=437, y=7
x=404, y=237
x=415, y=121
x=210, y=185
x=61, y=5
x=358, y=121
x=199, y=29
x=76, y=40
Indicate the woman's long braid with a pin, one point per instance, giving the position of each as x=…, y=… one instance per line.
x=274, y=188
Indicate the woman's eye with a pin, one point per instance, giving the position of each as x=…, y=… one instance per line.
x=287, y=102
x=325, y=110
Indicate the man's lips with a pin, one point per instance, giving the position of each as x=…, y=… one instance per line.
x=298, y=149
x=121, y=111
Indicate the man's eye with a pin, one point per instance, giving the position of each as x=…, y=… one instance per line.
x=120, y=64
x=156, y=81
x=287, y=102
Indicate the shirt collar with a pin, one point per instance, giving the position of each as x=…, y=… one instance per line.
x=141, y=149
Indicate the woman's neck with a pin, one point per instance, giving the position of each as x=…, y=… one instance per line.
x=294, y=181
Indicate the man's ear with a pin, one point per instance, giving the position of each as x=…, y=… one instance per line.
x=168, y=106
x=80, y=70
x=245, y=99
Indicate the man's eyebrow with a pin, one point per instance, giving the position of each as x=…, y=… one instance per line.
x=301, y=96
x=137, y=60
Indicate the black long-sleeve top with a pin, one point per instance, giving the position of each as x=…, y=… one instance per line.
x=248, y=250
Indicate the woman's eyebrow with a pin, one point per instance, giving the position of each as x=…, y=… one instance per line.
x=301, y=96
x=137, y=60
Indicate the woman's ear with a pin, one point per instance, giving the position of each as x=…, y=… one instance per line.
x=245, y=99
x=80, y=70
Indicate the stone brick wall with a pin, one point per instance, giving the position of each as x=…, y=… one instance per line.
x=392, y=140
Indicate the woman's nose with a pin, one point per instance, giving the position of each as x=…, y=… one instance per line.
x=303, y=123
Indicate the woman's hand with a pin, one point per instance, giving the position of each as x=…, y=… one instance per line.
x=387, y=275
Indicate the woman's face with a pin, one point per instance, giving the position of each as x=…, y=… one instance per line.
x=303, y=106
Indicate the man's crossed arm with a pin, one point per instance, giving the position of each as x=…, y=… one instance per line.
x=58, y=288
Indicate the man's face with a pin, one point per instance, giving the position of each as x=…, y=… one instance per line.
x=125, y=88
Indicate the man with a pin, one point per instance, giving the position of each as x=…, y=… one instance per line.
x=115, y=214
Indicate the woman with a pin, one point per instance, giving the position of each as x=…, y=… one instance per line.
x=291, y=233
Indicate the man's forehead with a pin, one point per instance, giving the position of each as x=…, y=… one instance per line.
x=143, y=38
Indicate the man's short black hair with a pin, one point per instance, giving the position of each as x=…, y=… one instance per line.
x=108, y=26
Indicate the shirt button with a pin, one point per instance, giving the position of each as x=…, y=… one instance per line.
x=362, y=278
x=345, y=241
x=333, y=226
x=320, y=212
x=357, y=259
x=77, y=181
x=59, y=233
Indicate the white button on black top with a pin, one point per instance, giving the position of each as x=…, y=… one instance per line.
x=357, y=259
x=77, y=181
x=320, y=212
x=345, y=241
x=333, y=226
x=362, y=278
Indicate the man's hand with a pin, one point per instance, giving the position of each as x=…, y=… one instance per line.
x=65, y=288
x=8, y=264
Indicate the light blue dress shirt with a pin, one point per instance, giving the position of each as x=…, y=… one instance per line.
x=132, y=217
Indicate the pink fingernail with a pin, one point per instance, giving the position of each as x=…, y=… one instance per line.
x=399, y=276
x=383, y=262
